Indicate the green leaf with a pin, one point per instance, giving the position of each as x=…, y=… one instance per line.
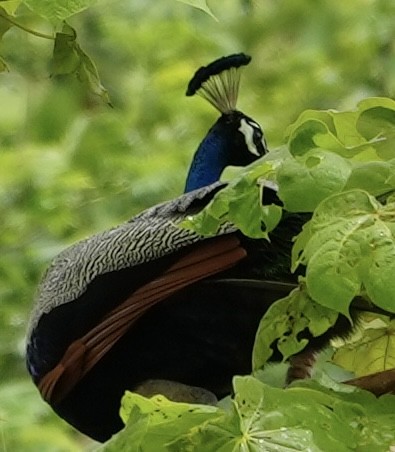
x=5, y=24
x=371, y=349
x=240, y=204
x=301, y=241
x=58, y=10
x=200, y=4
x=305, y=181
x=10, y=6
x=377, y=120
x=352, y=245
x=154, y=423
x=284, y=321
x=350, y=133
x=249, y=426
x=306, y=416
x=70, y=60
x=375, y=177
x=246, y=211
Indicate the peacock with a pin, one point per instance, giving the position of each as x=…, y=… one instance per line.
x=155, y=308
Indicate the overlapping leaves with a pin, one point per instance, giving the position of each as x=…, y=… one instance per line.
x=261, y=418
x=335, y=166
x=328, y=152
x=339, y=167
x=350, y=249
x=68, y=57
x=283, y=323
x=363, y=352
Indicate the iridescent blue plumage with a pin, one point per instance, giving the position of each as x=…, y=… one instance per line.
x=235, y=139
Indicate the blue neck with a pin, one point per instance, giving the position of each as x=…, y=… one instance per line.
x=209, y=161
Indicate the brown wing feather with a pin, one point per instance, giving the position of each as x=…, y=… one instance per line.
x=211, y=257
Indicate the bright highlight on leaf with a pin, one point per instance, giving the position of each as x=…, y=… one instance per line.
x=152, y=424
x=306, y=416
x=10, y=6
x=58, y=10
x=363, y=353
x=199, y=4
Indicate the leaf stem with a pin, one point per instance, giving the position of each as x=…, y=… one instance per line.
x=28, y=30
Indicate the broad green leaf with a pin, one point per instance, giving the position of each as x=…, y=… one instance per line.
x=69, y=59
x=329, y=130
x=303, y=138
x=350, y=133
x=306, y=416
x=288, y=412
x=284, y=322
x=58, y=10
x=159, y=408
x=351, y=246
x=371, y=349
x=375, y=177
x=320, y=116
x=345, y=126
x=10, y=6
x=377, y=120
x=246, y=211
x=305, y=181
x=151, y=424
x=250, y=425
x=200, y=4
x=370, y=418
x=240, y=204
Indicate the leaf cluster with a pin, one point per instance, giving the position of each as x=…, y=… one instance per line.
x=306, y=416
x=347, y=250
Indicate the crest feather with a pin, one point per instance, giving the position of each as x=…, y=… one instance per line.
x=218, y=82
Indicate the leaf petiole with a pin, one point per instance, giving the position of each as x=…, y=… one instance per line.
x=22, y=27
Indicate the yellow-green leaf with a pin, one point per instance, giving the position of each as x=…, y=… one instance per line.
x=371, y=349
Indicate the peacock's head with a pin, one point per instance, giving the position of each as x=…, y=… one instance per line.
x=218, y=83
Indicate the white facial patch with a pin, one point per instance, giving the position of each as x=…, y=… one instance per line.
x=248, y=131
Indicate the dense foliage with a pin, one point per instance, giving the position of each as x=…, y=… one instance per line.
x=334, y=165
x=70, y=165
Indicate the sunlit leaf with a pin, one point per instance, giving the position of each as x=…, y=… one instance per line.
x=283, y=323
x=240, y=204
x=10, y=6
x=58, y=10
x=352, y=244
x=371, y=349
x=377, y=119
x=305, y=181
x=375, y=177
x=303, y=417
x=200, y=4
x=155, y=422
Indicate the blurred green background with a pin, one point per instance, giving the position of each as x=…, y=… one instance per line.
x=71, y=165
